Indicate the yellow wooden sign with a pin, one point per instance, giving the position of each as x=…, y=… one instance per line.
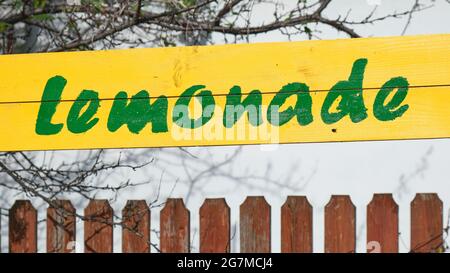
x=314, y=91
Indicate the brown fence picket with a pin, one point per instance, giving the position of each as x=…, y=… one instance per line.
x=426, y=223
x=61, y=227
x=215, y=226
x=136, y=227
x=296, y=225
x=255, y=225
x=98, y=229
x=175, y=227
x=382, y=224
x=427, y=230
x=340, y=229
x=22, y=227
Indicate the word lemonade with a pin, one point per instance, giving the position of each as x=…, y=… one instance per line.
x=141, y=109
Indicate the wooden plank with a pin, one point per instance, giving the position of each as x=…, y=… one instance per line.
x=175, y=227
x=215, y=226
x=136, y=227
x=296, y=225
x=98, y=229
x=427, y=113
x=255, y=225
x=426, y=223
x=382, y=224
x=340, y=229
x=61, y=227
x=166, y=71
x=419, y=112
x=22, y=227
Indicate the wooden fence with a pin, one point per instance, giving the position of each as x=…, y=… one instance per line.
x=255, y=224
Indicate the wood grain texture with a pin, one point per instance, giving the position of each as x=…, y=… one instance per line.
x=61, y=231
x=175, y=227
x=98, y=229
x=168, y=71
x=382, y=224
x=22, y=227
x=255, y=225
x=340, y=229
x=136, y=227
x=426, y=223
x=296, y=225
x=215, y=226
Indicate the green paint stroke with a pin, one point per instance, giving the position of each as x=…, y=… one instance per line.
x=392, y=109
x=235, y=107
x=138, y=112
x=302, y=107
x=50, y=99
x=78, y=122
x=351, y=93
x=181, y=110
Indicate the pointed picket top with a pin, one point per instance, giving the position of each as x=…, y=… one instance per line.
x=426, y=223
x=136, y=227
x=255, y=225
x=98, y=227
x=61, y=227
x=175, y=227
x=22, y=227
x=340, y=225
x=215, y=226
x=382, y=224
x=296, y=225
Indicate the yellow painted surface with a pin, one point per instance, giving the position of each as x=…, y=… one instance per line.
x=423, y=60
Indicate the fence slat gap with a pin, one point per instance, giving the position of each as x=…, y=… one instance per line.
x=175, y=227
x=255, y=225
x=98, y=227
